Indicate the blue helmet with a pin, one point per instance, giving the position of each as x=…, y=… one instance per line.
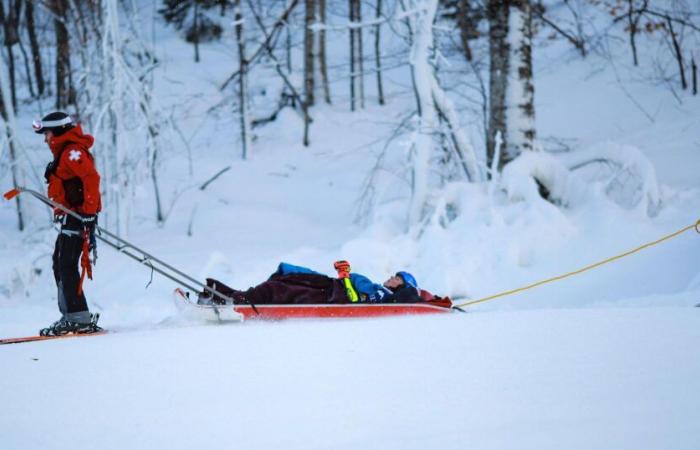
x=407, y=278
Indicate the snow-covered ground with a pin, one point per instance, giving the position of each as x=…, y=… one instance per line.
x=574, y=379
x=606, y=359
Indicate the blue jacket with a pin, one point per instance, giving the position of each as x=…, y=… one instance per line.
x=367, y=290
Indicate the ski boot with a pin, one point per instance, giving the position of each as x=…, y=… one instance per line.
x=62, y=327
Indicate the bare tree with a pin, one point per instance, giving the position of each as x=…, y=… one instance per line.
x=242, y=81
x=521, y=90
x=34, y=45
x=673, y=21
x=433, y=105
x=268, y=48
x=10, y=21
x=360, y=51
x=467, y=19
x=353, y=52
x=187, y=15
x=512, y=108
x=378, y=52
x=499, y=51
x=8, y=117
x=65, y=94
x=195, y=30
x=308, y=61
x=357, y=86
x=633, y=18
x=322, y=56
x=678, y=52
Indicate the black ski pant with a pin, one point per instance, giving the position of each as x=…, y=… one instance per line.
x=66, y=256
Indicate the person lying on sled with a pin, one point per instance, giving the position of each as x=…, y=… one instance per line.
x=291, y=284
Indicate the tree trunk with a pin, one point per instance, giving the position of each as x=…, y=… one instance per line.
x=422, y=147
x=59, y=9
x=34, y=44
x=678, y=52
x=9, y=26
x=7, y=115
x=466, y=27
x=196, y=31
x=463, y=147
x=632, y=25
x=242, y=82
x=27, y=70
x=308, y=65
x=13, y=163
x=153, y=133
x=322, y=55
x=497, y=12
x=360, y=51
x=520, y=92
x=695, y=76
x=377, y=53
x=309, y=52
x=353, y=75
x=288, y=45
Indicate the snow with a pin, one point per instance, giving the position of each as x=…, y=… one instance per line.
x=606, y=359
x=388, y=383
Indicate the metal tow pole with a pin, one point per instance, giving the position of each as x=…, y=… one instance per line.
x=130, y=250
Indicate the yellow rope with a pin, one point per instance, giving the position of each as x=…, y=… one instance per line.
x=696, y=226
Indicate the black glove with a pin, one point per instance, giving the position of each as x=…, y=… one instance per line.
x=89, y=225
x=89, y=220
x=50, y=170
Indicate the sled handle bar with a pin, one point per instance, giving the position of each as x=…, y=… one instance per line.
x=122, y=246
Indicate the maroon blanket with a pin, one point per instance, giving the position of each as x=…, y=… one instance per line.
x=287, y=289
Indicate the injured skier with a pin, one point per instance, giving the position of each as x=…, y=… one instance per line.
x=292, y=284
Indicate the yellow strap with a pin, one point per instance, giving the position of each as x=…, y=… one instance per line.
x=352, y=293
x=696, y=226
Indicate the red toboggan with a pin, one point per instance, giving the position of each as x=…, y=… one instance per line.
x=430, y=305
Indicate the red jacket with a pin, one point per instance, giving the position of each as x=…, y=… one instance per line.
x=74, y=161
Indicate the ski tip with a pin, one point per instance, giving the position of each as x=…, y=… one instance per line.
x=9, y=195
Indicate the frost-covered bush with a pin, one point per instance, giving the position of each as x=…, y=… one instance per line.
x=520, y=177
x=628, y=177
x=630, y=180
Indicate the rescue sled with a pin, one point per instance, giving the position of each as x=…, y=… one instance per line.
x=319, y=311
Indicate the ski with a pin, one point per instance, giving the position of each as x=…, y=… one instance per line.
x=20, y=340
x=208, y=312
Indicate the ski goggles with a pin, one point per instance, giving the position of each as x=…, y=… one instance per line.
x=41, y=126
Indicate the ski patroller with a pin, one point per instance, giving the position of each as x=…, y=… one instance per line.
x=125, y=247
